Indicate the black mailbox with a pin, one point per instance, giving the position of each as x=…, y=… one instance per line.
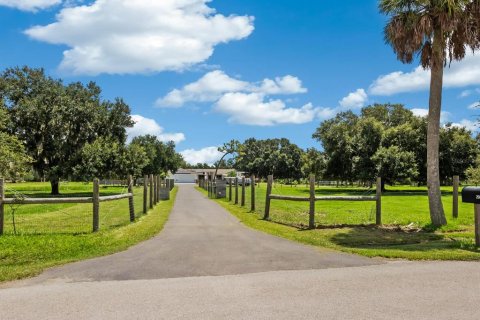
x=471, y=195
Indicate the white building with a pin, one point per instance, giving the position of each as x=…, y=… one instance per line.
x=195, y=175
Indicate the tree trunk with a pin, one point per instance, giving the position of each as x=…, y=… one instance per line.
x=55, y=187
x=437, y=214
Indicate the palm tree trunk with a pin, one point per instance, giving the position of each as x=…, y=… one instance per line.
x=437, y=214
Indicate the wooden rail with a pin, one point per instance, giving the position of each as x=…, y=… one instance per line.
x=151, y=182
x=47, y=200
x=77, y=200
x=312, y=199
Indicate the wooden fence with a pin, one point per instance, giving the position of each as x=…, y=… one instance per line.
x=157, y=188
x=313, y=198
x=234, y=185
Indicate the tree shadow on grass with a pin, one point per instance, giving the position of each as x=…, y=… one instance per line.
x=372, y=237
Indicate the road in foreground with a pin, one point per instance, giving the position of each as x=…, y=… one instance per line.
x=403, y=290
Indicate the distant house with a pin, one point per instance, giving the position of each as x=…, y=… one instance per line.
x=184, y=176
x=195, y=175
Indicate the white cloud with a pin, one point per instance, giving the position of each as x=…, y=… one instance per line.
x=207, y=155
x=466, y=93
x=355, y=99
x=281, y=85
x=474, y=106
x=254, y=109
x=468, y=124
x=29, y=5
x=141, y=36
x=207, y=89
x=144, y=126
x=421, y=112
x=246, y=102
x=460, y=74
x=213, y=85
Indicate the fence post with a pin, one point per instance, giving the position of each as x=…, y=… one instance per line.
x=159, y=187
x=311, y=222
x=151, y=191
x=130, y=199
x=252, y=193
x=267, y=200
x=145, y=194
x=456, y=183
x=236, y=190
x=378, y=220
x=96, y=204
x=477, y=225
x=2, y=206
x=230, y=187
x=243, y=192
x=155, y=191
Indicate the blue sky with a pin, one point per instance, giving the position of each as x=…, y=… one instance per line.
x=203, y=72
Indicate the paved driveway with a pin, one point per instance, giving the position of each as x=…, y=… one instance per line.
x=202, y=239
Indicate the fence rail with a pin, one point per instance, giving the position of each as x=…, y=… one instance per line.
x=159, y=190
x=312, y=199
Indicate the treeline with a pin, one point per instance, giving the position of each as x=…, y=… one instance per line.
x=385, y=140
x=56, y=131
x=391, y=142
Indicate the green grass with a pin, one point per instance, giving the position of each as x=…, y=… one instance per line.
x=348, y=226
x=51, y=235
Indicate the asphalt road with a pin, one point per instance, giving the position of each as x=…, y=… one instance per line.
x=444, y=290
x=201, y=239
x=206, y=265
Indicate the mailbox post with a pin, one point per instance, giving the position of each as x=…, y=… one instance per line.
x=472, y=195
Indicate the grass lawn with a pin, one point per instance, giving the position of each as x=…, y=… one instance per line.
x=50, y=235
x=348, y=226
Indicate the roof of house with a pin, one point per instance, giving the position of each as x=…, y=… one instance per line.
x=204, y=171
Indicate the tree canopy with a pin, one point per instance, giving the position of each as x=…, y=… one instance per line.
x=55, y=121
x=13, y=159
x=389, y=141
x=161, y=157
x=279, y=157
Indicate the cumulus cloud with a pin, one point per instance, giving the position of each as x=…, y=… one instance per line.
x=460, y=74
x=254, y=109
x=29, y=5
x=468, y=124
x=144, y=126
x=141, y=36
x=474, y=106
x=213, y=85
x=281, y=85
x=421, y=112
x=354, y=100
x=207, y=89
x=465, y=93
x=246, y=102
x=207, y=155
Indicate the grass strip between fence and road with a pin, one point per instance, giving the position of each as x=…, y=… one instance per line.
x=405, y=234
x=27, y=255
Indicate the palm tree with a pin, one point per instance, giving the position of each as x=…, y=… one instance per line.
x=438, y=32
